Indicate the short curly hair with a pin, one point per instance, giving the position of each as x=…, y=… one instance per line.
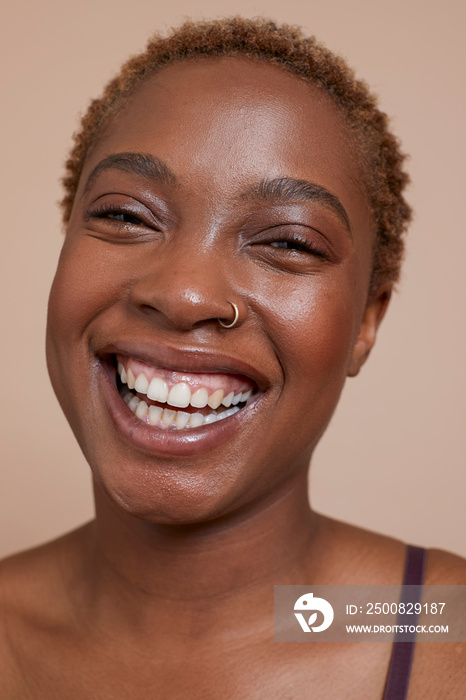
x=378, y=150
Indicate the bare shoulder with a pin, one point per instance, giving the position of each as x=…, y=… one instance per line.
x=439, y=668
x=33, y=605
x=380, y=559
x=32, y=577
x=355, y=556
x=445, y=569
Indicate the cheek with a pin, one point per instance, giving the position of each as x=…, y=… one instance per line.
x=313, y=328
x=88, y=281
x=81, y=290
x=321, y=351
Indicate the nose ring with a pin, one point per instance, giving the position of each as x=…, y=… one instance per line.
x=235, y=319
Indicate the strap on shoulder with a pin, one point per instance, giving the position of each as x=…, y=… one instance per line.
x=401, y=660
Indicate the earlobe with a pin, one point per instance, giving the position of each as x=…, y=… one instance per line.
x=373, y=315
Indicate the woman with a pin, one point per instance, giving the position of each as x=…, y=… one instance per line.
x=234, y=220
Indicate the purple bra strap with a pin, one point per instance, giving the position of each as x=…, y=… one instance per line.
x=399, y=670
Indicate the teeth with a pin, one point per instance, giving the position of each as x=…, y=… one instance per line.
x=211, y=418
x=229, y=412
x=199, y=398
x=168, y=417
x=122, y=373
x=180, y=395
x=158, y=390
x=228, y=399
x=133, y=403
x=130, y=379
x=141, y=384
x=141, y=410
x=216, y=398
x=196, y=420
x=155, y=413
x=182, y=418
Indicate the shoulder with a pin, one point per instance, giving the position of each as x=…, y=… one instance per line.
x=23, y=597
x=33, y=582
x=439, y=668
x=33, y=575
x=366, y=557
x=444, y=569
x=33, y=607
x=30, y=587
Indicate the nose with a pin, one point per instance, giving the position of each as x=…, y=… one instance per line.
x=185, y=287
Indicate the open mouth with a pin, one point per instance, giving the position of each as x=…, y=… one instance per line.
x=178, y=400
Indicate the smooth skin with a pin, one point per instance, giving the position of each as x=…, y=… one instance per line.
x=168, y=593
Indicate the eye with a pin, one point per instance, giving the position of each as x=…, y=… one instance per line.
x=295, y=245
x=290, y=247
x=127, y=221
x=124, y=217
x=117, y=214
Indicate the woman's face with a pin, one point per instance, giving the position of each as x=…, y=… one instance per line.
x=238, y=184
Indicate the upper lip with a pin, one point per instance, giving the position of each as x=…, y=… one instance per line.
x=188, y=359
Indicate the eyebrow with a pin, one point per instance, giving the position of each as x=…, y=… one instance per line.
x=289, y=190
x=282, y=189
x=143, y=164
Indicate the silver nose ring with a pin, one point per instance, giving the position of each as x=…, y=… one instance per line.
x=235, y=319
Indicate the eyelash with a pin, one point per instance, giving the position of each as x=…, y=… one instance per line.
x=292, y=242
x=298, y=244
x=107, y=211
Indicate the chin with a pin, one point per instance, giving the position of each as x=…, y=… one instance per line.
x=166, y=495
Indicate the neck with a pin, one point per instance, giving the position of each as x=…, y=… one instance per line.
x=139, y=569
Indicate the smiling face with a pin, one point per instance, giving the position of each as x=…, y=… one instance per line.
x=222, y=180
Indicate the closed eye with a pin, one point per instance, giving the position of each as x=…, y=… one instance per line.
x=295, y=245
x=298, y=245
x=117, y=214
x=123, y=223
x=124, y=217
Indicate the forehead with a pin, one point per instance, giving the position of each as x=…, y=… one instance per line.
x=225, y=122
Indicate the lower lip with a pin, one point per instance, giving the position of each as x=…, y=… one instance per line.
x=158, y=441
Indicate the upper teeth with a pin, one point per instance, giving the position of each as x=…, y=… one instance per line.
x=180, y=395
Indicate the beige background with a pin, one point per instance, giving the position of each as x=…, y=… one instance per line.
x=393, y=458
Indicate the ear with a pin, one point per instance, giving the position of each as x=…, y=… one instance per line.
x=373, y=315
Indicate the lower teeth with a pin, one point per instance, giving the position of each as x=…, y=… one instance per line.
x=168, y=418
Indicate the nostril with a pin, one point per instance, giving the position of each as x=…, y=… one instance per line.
x=184, y=305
